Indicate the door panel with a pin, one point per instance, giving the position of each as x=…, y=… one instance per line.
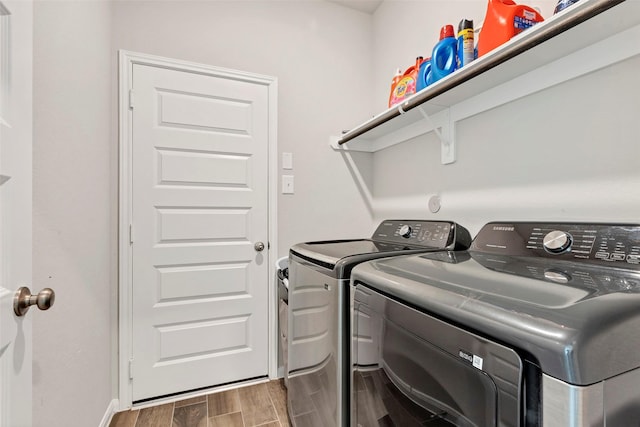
x=199, y=205
x=197, y=111
x=209, y=169
x=15, y=209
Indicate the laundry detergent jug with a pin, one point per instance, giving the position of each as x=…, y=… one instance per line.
x=423, y=74
x=406, y=86
x=504, y=19
x=563, y=4
x=394, y=82
x=444, y=55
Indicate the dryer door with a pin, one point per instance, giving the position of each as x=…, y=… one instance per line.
x=430, y=372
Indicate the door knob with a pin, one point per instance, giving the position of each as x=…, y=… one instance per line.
x=259, y=246
x=23, y=299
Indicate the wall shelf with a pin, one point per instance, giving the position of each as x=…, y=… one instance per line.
x=588, y=36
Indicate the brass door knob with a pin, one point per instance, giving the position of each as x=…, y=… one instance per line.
x=23, y=299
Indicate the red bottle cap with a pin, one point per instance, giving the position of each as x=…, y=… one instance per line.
x=446, y=31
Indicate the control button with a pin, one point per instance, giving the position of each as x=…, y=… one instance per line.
x=557, y=241
x=557, y=276
x=633, y=259
x=602, y=255
x=405, y=231
x=617, y=256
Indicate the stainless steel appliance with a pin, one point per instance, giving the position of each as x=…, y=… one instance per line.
x=318, y=341
x=538, y=324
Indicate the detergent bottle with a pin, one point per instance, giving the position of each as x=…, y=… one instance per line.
x=504, y=19
x=423, y=74
x=466, y=46
x=394, y=83
x=444, y=55
x=563, y=4
x=406, y=86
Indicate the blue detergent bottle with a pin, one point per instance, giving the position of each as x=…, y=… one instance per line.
x=423, y=74
x=444, y=55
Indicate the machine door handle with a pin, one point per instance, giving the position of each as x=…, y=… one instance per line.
x=23, y=299
x=259, y=246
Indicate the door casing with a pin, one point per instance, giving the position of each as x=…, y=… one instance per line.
x=125, y=316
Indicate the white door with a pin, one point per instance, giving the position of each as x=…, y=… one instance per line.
x=199, y=207
x=15, y=209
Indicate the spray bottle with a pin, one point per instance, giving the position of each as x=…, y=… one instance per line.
x=465, y=43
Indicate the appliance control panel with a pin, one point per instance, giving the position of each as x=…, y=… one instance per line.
x=612, y=244
x=437, y=234
x=585, y=276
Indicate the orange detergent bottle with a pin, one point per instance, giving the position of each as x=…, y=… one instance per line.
x=394, y=83
x=406, y=85
x=504, y=20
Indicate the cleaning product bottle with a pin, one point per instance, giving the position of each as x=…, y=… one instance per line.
x=444, y=55
x=563, y=4
x=504, y=19
x=394, y=83
x=407, y=84
x=465, y=43
x=423, y=74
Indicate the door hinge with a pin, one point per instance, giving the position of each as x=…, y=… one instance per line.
x=130, y=369
x=131, y=234
x=131, y=98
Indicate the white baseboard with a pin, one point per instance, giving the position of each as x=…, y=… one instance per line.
x=111, y=409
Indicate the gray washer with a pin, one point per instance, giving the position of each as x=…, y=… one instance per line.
x=319, y=327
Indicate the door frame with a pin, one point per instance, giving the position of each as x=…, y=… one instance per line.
x=127, y=60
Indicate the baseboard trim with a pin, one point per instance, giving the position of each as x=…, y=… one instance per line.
x=111, y=410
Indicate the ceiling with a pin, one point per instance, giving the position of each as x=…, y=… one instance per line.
x=366, y=6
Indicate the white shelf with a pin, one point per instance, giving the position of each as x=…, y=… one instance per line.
x=588, y=36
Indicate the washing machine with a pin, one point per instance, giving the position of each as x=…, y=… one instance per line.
x=319, y=327
x=537, y=324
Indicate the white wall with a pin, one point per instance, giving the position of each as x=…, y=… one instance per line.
x=569, y=152
x=321, y=54
x=73, y=212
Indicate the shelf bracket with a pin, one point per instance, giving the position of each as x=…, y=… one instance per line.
x=444, y=128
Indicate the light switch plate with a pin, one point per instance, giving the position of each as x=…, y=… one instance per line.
x=287, y=161
x=287, y=184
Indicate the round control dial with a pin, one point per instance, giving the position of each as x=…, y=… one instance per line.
x=557, y=241
x=405, y=231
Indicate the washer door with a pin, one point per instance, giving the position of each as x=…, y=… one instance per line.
x=429, y=372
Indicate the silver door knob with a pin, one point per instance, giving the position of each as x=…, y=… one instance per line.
x=23, y=299
x=259, y=246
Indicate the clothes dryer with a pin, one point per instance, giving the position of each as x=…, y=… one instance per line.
x=537, y=324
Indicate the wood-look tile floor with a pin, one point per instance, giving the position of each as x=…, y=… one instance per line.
x=262, y=405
